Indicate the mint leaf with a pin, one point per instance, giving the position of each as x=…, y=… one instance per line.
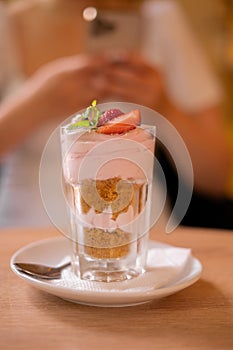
x=79, y=124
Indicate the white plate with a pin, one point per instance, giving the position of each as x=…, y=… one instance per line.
x=55, y=250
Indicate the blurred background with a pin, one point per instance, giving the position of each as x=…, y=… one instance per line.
x=43, y=30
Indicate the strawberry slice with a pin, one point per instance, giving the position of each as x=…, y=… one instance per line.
x=121, y=124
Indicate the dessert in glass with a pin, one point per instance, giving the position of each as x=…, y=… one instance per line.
x=107, y=158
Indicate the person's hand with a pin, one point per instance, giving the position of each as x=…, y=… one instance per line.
x=68, y=84
x=131, y=79
x=53, y=93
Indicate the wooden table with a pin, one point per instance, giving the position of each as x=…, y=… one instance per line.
x=198, y=317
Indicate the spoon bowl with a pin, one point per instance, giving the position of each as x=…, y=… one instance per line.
x=41, y=271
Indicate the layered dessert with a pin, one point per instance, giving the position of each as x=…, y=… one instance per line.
x=107, y=177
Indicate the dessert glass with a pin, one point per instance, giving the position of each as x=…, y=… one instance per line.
x=107, y=183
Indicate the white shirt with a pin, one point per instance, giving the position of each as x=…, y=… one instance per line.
x=169, y=43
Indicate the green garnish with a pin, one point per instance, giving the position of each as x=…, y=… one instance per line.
x=80, y=124
x=89, y=118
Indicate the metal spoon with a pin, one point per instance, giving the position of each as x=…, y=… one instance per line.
x=41, y=271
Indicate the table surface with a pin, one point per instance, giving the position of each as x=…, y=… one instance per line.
x=198, y=317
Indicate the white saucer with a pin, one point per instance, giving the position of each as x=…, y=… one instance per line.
x=55, y=250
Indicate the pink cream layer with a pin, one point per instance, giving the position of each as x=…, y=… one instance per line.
x=100, y=156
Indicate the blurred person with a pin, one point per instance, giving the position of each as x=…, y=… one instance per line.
x=189, y=100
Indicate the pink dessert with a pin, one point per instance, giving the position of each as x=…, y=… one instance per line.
x=108, y=172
